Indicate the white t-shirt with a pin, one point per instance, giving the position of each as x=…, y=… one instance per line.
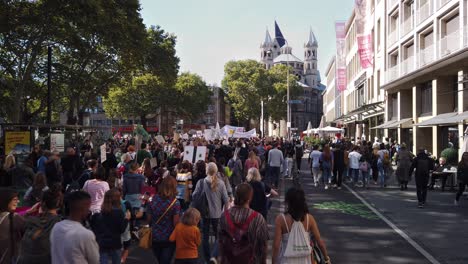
x=72, y=243
x=315, y=156
x=97, y=190
x=354, y=158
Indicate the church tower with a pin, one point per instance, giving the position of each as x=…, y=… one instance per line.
x=310, y=61
x=266, y=49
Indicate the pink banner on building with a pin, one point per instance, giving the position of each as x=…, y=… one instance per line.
x=340, y=62
x=363, y=32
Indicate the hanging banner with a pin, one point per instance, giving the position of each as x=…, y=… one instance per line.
x=340, y=61
x=17, y=142
x=249, y=134
x=57, y=142
x=363, y=32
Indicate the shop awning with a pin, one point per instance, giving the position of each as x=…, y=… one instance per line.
x=385, y=125
x=403, y=123
x=363, y=112
x=456, y=119
x=441, y=119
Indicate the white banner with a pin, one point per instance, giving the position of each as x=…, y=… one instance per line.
x=230, y=130
x=249, y=134
x=103, y=153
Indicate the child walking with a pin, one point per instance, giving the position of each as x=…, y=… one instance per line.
x=187, y=238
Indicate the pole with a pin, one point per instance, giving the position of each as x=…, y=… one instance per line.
x=49, y=84
x=288, y=114
x=261, y=119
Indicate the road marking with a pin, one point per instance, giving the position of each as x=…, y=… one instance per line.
x=395, y=228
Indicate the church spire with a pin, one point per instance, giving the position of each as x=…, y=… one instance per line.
x=312, y=39
x=267, y=38
x=279, y=36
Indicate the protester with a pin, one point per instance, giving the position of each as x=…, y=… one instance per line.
x=200, y=172
x=285, y=224
x=71, y=166
x=132, y=186
x=216, y=194
x=275, y=162
x=243, y=232
x=11, y=226
x=184, y=184
x=35, y=245
x=96, y=188
x=70, y=241
x=34, y=193
x=314, y=162
x=235, y=166
x=108, y=225
x=9, y=167
x=423, y=165
x=163, y=214
x=404, y=159
x=260, y=201
x=299, y=153
x=53, y=170
x=339, y=165
x=41, y=162
x=187, y=237
x=462, y=172
x=354, y=157
x=251, y=162
x=143, y=154
x=327, y=165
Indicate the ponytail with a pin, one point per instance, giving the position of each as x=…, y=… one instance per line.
x=214, y=182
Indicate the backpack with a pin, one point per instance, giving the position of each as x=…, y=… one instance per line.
x=234, y=242
x=75, y=184
x=386, y=159
x=35, y=241
x=200, y=202
x=299, y=240
x=299, y=152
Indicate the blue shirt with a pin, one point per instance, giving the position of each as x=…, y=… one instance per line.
x=41, y=164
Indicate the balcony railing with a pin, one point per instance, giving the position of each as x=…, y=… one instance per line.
x=424, y=12
x=392, y=37
x=449, y=43
x=392, y=73
x=407, y=65
x=426, y=55
x=407, y=25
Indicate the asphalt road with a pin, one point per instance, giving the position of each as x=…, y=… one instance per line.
x=353, y=233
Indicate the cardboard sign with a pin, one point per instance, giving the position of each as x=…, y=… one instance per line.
x=103, y=153
x=194, y=154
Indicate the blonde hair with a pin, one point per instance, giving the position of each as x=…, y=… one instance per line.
x=191, y=217
x=253, y=175
x=9, y=162
x=211, y=170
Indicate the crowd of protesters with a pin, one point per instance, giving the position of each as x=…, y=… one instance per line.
x=77, y=208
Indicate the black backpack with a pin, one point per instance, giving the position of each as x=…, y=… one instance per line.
x=75, y=183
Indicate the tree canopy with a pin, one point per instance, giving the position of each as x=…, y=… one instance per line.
x=247, y=83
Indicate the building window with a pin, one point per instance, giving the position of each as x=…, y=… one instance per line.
x=394, y=106
x=361, y=96
x=378, y=34
x=426, y=99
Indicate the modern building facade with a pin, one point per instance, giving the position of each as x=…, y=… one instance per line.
x=416, y=92
x=277, y=51
x=427, y=72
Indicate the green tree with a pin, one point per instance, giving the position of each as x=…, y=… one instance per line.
x=246, y=82
x=141, y=96
x=95, y=43
x=193, y=95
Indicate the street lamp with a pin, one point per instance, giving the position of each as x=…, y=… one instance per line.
x=288, y=107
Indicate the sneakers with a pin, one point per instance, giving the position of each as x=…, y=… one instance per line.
x=420, y=205
x=316, y=184
x=339, y=188
x=326, y=187
x=213, y=261
x=455, y=202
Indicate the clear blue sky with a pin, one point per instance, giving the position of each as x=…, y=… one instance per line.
x=213, y=32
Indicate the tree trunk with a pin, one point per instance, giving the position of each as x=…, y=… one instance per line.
x=71, y=120
x=144, y=121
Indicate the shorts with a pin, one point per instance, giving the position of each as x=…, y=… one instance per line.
x=126, y=244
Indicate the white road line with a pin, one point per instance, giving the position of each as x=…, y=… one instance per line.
x=395, y=228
